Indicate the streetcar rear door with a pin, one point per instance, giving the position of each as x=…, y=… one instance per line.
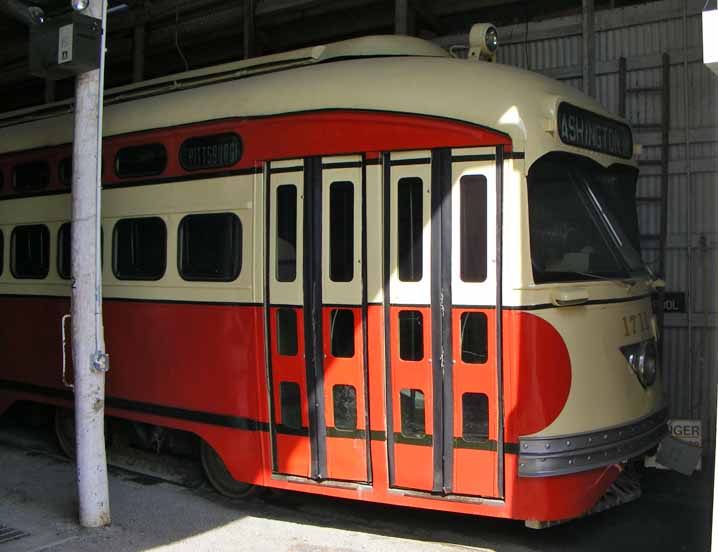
x=316, y=314
x=289, y=384
x=442, y=393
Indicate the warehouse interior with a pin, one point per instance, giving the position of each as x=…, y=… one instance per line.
x=647, y=66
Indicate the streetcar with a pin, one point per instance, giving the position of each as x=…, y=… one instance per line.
x=368, y=269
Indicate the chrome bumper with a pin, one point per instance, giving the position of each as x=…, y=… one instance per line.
x=567, y=454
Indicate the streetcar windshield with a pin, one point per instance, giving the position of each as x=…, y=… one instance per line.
x=583, y=220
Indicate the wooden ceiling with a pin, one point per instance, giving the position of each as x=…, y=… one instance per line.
x=181, y=34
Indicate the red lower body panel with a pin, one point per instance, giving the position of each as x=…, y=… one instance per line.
x=200, y=368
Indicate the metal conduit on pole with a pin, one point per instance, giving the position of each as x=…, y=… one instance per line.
x=89, y=359
x=589, y=52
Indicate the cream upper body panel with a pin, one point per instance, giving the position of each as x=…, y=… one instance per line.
x=413, y=76
x=604, y=390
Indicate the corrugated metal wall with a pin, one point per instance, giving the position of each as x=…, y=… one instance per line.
x=642, y=34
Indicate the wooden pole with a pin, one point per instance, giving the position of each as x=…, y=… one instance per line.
x=89, y=359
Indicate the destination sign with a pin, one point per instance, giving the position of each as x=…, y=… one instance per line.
x=585, y=129
x=211, y=152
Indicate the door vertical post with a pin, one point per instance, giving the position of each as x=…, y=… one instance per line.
x=499, y=319
x=441, y=306
x=313, y=314
x=386, y=166
x=267, y=316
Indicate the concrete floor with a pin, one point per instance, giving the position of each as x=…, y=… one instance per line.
x=37, y=496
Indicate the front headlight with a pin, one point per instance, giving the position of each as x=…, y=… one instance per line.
x=648, y=363
x=642, y=357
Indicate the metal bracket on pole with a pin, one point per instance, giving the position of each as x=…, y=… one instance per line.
x=100, y=361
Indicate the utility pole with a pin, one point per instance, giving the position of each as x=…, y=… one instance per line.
x=90, y=361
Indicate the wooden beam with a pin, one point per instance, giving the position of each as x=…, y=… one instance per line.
x=404, y=18
x=249, y=34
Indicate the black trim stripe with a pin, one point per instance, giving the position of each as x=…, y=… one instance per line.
x=110, y=100
x=181, y=302
x=542, y=306
x=247, y=171
x=465, y=158
x=515, y=155
x=346, y=433
x=211, y=418
x=283, y=170
x=341, y=306
x=40, y=193
x=424, y=441
x=182, y=178
x=342, y=165
x=483, y=444
x=417, y=161
x=288, y=430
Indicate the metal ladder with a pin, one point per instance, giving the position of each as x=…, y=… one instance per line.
x=663, y=126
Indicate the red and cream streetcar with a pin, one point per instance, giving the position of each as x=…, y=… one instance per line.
x=366, y=270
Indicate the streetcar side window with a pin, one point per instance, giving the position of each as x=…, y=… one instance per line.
x=475, y=414
x=291, y=404
x=474, y=338
x=345, y=407
x=411, y=335
x=341, y=331
x=286, y=269
x=143, y=160
x=410, y=205
x=413, y=423
x=64, y=250
x=473, y=228
x=341, y=231
x=30, y=251
x=64, y=172
x=287, y=332
x=34, y=175
x=210, y=247
x=140, y=249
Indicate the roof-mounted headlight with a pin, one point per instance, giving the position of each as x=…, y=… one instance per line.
x=483, y=42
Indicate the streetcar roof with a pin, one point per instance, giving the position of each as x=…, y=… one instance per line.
x=381, y=73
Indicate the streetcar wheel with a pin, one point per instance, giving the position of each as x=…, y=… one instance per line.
x=219, y=475
x=65, y=431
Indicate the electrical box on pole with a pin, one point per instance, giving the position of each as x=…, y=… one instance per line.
x=65, y=46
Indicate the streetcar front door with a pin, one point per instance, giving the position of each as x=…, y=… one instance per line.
x=315, y=313
x=443, y=427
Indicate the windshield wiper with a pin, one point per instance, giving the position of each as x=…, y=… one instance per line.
x=626, y=282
